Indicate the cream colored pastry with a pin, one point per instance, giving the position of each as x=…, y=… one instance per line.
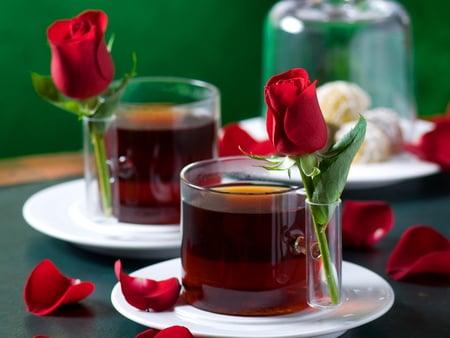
x=342, y=101
x=376, y=146
x=388, y=120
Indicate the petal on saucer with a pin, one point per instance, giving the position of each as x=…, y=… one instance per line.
x=434, y=146
x=170, y=332
x=234, y=138
x=365, y=222
x=145, y=293
x=150, y=333
x=47, y=288
x=420, y=250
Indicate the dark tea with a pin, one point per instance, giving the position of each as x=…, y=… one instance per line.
x=239, y=251
x=154, y=142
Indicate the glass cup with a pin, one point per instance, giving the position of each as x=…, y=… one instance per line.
x=99, y=146
x=162, y=124
x=243, y=233
x=324, y=276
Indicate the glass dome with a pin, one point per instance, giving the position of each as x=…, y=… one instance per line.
x=363, y=42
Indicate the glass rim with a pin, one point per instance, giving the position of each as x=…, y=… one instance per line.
x=214, y=90
x=339, y=201
x=287, y=188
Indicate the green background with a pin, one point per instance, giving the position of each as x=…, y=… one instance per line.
x=212, y=40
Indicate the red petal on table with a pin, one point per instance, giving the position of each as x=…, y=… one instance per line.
x=365, y=222
x=421, y=250
x=233, y=138
x=170, y=332
x=47, y=288
x=145, y=294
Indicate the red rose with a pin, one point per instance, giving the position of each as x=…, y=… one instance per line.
x=295, y=123
x=81, y=65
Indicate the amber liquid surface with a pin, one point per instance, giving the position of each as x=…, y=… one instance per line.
x=154, y=143
x=242, y=261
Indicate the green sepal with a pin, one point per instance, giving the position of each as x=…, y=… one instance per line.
x=279, y=163
x=274, y=162
x=110, y=43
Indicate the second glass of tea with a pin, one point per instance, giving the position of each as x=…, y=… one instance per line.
x=243, y=233
x=162, y=124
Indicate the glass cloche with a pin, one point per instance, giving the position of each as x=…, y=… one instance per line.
x=356, y=44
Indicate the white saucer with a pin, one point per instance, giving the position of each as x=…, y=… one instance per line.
x=56, y=211
x=367, y=296
x=399, y=167
x=79, y=217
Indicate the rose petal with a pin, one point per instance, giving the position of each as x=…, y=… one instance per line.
x=170, y=332
x=263, y=148
x=434, y=146
x=150, y=333
x=47, y=288
x=145, y=294
x=365, y=222
x=304, y=123
x=234, y=138
x=421, y=250
x=281, y=95
x=291, y=73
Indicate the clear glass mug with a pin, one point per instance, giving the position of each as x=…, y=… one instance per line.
x=245, y=238
x=162, y=124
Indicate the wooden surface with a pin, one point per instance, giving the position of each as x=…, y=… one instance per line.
x=40, y=167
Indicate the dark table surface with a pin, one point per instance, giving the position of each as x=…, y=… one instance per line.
x=420, y=309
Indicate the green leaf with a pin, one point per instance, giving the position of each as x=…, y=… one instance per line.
x=335, y=165
x=46, y=88
x=309, y=165
x=321, y=214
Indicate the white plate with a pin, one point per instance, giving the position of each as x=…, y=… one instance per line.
x=399, y=167
x=56, y=211
x=367, y=296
